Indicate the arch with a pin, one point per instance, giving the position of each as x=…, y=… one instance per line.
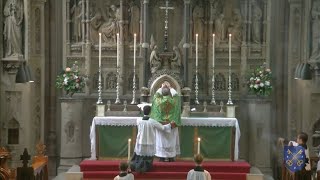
x=156, y=84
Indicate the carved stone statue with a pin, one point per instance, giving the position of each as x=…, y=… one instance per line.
x=134, y=25
x=198, y=22
x=220, y=31
x=69, y=129
x=236, y=26
x=315, y=14
x=256, y=22
x=155, y=62
x=76, y=15
x=176, y=61
x=13, y=18
x=95, y=24
x=110, y=27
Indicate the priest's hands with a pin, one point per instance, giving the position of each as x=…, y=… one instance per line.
x=173, y=124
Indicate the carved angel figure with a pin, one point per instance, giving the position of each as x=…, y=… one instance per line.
x=176, y=61
x=155, y=62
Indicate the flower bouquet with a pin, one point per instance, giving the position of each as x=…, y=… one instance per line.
x=70, y=80
x=259, y=81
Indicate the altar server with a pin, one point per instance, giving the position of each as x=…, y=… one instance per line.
x=145, y=147
x=125, y=174
x=198, y=173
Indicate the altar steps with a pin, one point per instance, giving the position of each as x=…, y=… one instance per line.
x=219, y=170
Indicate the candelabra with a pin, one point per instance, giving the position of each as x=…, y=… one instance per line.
x=213, y=101
x=134, y=87
x=99, y=88
x=196, y=101
x=229, y=89
x=118, y=79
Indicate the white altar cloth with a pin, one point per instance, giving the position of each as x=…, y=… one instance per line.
x=190, y=121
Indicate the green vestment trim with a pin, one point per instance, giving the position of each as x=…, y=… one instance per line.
x=166, y=108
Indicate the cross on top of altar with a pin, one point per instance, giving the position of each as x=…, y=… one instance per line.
x=166, y=8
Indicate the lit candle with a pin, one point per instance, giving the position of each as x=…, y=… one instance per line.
x=134, y=50
x=213, y=35
x=129, y=148
x=118, y=49
x=199, y=140
x=99, y=56
x=196, y=50
x=229, y=49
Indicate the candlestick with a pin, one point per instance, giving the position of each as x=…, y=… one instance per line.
x=129, y=149
x=99, y=83
x=213, y=101
x=118, y=70
x=199, y=140
x=197, y=50
x=134, y=71
x=230, y=49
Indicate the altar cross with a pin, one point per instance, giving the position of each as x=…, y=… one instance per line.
x=166, y=8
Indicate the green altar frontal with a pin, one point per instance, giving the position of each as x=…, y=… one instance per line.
x=218, y=137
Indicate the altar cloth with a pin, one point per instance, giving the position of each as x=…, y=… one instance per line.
x=191, y=121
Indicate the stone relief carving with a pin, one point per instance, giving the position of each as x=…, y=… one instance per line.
x=234, y=82
x=13, y=21
x=220, y=31
x=315, y=15
x=220, y=82
x=134, y=23
x=37, y=28
x=111, y=26
x=155, y=61
x=111, y=81
x=176, y=61
x=235, y=27
x=198, y=22
x=256, y=22
x=13, y=104
x=76, y=16
x=69, y=129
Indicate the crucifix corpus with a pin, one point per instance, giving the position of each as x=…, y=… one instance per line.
x=166, y=8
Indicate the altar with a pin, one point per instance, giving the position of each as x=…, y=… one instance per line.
x=219, y=137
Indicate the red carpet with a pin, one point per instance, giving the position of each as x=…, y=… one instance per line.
x=219, y=170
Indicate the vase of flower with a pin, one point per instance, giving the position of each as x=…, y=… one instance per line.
x=70, y=80
x=259, y=81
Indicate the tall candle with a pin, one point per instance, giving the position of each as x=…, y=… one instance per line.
x=134, y=49
x=196, y=50
x=129, y=149
x=199, y=140
x=229, y=49
x=99, y=57
x=118, y=43
x=213, y=35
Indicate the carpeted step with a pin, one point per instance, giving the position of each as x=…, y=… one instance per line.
x=161, y=175
x=180, y=166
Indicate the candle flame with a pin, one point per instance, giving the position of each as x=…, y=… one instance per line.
x=129, y=140
x=213, y=35
x=135, y=34
x=196, y=34
x=99, y=34
x=199, y=139
x=117, y=34
x=230, y=35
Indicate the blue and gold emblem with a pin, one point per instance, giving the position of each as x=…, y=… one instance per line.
x=294, y=157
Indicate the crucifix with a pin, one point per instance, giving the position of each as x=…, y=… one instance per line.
x=166, y=8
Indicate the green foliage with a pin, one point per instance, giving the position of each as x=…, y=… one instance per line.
x=259, y=81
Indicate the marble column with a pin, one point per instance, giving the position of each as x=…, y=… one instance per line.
x=145, y=44
x=186, y=45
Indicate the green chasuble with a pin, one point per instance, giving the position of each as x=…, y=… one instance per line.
x=166, y=108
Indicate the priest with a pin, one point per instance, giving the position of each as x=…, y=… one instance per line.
x=166, y=107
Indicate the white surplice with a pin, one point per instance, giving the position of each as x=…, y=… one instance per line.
x=198, y=175
x=146, y=137
x=167, y=144
x=127, y=177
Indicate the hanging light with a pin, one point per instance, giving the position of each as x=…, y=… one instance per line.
x=305, y=73
x=28, y=74
x=21, y=74
x=297, y=71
